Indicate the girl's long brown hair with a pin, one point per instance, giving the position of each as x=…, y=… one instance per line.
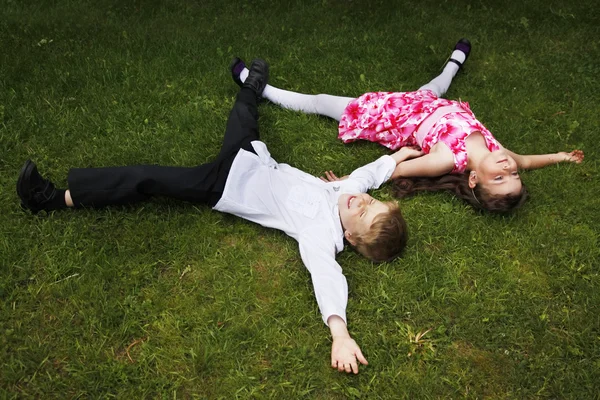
x=458, y=184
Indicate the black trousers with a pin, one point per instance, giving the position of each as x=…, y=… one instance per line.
x=99, y=187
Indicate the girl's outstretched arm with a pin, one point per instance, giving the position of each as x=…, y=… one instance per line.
x=429, y=165
x=542, y=160
x=412, y=162
x=400, y=156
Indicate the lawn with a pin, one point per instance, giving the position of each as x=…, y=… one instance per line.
x=171, y=300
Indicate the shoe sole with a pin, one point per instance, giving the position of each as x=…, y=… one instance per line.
x=22, y=186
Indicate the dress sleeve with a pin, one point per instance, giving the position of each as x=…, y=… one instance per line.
x=329, y=283
x=370, y=176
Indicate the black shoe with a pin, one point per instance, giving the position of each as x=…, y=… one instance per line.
x=258, y=77
x=36, y=192
x=236, y=67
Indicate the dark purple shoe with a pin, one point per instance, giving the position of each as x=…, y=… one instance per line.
x=236, y=67
x=462, y=45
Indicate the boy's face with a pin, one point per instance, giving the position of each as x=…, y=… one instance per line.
x=357, y=212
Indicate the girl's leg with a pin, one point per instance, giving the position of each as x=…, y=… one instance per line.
x=323, y=104
x=441, y=83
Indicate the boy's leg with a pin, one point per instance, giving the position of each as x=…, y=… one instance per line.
x=242, y=129
x=441, y=83
x=98, y=187
x=323, y=104
x=202, y=184
x=242, y=124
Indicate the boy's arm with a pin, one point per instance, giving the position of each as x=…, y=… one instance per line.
x=344, y=350
x=370, y=176
x=535, y=161
x=331, y=290
x=376, y=173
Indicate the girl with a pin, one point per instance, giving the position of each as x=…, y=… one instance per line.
x=453, y=150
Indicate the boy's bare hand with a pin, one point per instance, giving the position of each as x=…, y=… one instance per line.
x=344, y=353
x=575, y=156
x=331, y=177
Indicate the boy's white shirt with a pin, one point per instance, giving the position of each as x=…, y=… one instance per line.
x=279, y=196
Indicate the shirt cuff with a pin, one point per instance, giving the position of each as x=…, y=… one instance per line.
x=339, y=313
x=390, y=163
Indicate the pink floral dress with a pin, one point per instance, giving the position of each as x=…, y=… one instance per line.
x=392, y=119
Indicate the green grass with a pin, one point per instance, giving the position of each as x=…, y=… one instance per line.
x=170, y=300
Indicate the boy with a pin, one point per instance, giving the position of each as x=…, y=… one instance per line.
x=245, y=181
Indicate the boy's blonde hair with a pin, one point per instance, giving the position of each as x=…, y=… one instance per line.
x=387, y=236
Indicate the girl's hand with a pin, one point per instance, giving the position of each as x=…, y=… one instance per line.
x=406, y=153
x=575, y=156
x=331, y=177
x=411, y=152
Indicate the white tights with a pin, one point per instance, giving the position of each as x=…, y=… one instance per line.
x=334, y=106
x=440, y=84
x=322, y=104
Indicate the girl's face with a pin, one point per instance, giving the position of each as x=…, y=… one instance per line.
x=498, y=174
x=357, y=212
